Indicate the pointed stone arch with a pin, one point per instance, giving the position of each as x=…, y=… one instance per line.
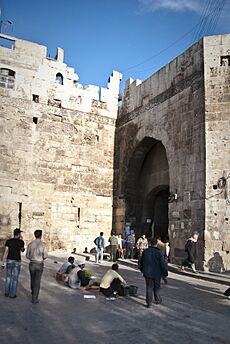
x=147, y=189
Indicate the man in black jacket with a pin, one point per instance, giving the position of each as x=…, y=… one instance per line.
x=12, y=255
x=153, y=267
x=191, y=250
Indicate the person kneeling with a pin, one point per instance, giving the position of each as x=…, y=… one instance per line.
x=77, y=277
x=112, y=283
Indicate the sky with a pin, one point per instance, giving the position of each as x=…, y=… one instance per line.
x=134, y=37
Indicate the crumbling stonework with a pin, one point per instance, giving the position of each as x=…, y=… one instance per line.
x=57, y=148
x=173, y=141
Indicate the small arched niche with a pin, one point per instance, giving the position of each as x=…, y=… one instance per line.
x=59, y=78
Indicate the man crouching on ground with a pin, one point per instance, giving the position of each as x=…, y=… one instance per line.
x=77, y=278
x=153, y=267
x=112, y=283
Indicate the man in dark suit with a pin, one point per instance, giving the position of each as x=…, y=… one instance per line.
x=153, y=267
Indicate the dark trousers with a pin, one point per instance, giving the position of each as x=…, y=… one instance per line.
x=115, y=286
x=113, y=252
x=130, y=251
x=36, y=270
x=83, y=279
x=153, y=287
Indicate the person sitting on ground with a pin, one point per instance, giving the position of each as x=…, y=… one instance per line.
x=112, y=283
x=67, y=267
x=77, y=277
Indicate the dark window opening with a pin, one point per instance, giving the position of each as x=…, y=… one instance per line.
x=225, y=60
x=214, y=187
x=19, y=214
x=35, y=98
x=54, y=102
x=35, y=120
x=78, y=214
x=7, y=77
x=97, y=137
x=59, y=78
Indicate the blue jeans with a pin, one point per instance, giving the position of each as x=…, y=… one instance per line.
x=99, y=255
x=13, y=268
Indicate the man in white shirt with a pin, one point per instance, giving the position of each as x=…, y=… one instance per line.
x=112, y=283
x=77, y=278
x=65, y=269
x=36, y=253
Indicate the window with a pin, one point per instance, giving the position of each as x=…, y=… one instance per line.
x=7, y=77
x=35, y=98
x=35, y=120
x=59, y=78
x=225, y=60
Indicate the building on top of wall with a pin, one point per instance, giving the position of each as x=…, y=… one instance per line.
x=57, y=148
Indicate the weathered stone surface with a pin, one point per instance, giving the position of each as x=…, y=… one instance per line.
x=70, y=163
x=185, y=108
x=56, y=150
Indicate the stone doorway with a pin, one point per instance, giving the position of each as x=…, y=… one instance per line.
x=147, y=189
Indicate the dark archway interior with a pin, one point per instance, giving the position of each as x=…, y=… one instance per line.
x=147, y=189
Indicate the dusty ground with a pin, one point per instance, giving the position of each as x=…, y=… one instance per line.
x=193, y=311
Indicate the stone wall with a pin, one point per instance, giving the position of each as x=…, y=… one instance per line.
x=186, y=107
x=68, y=161
x=217, y=137
x=167, y=108
x=57, y=149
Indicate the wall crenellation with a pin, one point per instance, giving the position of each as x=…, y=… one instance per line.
x=51, y=81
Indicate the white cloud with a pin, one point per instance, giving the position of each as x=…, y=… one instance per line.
x=173, y=5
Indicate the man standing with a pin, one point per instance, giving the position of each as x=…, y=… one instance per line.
x=12, y=255
x=100, y=244
x=113, y=247
x=191, y=250
x=162, y=247
x=130, y=244
x=153, y=267
x=142, y=244
x=36, y=253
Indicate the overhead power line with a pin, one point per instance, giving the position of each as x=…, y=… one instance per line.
x=207, y=24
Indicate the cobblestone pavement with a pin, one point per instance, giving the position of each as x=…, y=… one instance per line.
x=193, y=311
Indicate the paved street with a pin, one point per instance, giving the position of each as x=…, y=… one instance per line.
x=193, y=311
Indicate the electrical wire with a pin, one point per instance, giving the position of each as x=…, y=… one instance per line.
x=210, y=16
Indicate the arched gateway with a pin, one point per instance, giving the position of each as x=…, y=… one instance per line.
x=147, y=189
